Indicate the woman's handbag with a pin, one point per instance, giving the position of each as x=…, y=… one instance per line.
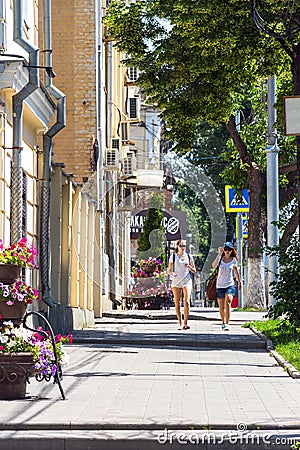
x=211, y=286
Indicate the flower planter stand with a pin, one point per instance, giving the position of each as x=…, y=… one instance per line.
x=16, y=368
x=155, y=302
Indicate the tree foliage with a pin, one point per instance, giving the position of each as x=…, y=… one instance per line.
x=286, y=287
x=202, y=61
x=151, y=240
x=197, y=58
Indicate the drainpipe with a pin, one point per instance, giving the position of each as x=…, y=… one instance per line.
x=2, y=26
x=47, y=150
x=17, y=102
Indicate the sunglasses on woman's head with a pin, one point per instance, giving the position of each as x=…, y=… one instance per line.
x=182, y=246
x=227, y=249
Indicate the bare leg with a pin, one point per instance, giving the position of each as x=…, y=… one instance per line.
x=228, y=300
x=177, y=299
x=186, y=301
x=221, y=303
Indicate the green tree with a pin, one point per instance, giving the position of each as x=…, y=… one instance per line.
x=151, y=240
x=199, y=61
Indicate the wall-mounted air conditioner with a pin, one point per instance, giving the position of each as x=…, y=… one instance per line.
x=116, y=143
x=112, y=159
x=132, y=74
x=128, y=165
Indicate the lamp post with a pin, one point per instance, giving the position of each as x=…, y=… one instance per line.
x=272, y=186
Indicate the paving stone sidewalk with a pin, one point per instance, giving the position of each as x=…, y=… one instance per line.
x=128, y=382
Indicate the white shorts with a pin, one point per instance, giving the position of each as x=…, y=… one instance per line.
x=181, y=283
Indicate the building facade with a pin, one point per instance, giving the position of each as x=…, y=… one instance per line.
x=77, y=146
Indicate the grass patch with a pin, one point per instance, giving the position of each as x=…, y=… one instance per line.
x=285, y=338
x=251, y=309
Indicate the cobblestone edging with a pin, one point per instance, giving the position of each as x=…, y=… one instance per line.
x=291, y=370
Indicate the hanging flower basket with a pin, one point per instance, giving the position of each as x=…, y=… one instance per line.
x=9, y=273
x=15, y=312
x=15, y=370
x=149, y=269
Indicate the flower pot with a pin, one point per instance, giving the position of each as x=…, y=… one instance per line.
x=15, y=370
x=150, y=302
x=15, y=312
x=9, y=273
x=149, y=269
x=147, y=282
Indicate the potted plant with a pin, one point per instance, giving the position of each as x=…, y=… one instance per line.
x=14, y=300
x=15, y=256
x=25, y=353
x=150, y=297
x=150, y=265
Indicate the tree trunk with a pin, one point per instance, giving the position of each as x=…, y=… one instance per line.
x=256, y=283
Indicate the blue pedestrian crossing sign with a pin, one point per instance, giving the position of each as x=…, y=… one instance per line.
x=236, y=201
x=244, y=226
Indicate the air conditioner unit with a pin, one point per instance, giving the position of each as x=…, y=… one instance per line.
x=128, y=165
x=112, y=159
x=132, y=74
x=116, y=143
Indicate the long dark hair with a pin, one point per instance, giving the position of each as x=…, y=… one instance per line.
x=233, y=253
x=177, y=245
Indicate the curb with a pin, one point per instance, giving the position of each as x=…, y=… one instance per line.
x=291, y=370
x=160, y=315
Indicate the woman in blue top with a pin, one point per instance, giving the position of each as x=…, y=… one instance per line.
x=181, y=266
x=227, y=262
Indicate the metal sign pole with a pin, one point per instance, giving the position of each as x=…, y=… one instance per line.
x=240, y=254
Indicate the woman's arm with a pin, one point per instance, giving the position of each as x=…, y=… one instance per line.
x=218, y=257
x=170, y=269
x=237, y=276
x=191, y=267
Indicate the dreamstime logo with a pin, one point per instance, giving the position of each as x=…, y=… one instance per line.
x=241, y=436
x=118, y=225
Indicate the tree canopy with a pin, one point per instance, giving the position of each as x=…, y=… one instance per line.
x=202, y=61
x=196, y=58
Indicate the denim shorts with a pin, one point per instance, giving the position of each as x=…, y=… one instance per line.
x=222, y=291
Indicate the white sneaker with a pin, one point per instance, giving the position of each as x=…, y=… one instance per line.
x=226, y=327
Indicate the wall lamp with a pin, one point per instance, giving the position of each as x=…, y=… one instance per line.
x=49, y=70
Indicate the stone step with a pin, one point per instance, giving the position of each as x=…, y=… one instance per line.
x=191, y=340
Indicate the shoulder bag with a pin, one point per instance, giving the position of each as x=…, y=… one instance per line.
x=210, y=290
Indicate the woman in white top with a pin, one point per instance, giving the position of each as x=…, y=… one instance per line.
x=181, y=266
x=227, y=262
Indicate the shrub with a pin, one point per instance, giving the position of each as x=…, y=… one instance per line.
x=285, y=288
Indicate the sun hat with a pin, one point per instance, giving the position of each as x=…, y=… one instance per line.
x=228, y=244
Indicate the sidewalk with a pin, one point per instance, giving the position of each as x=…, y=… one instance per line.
x=132, y=378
